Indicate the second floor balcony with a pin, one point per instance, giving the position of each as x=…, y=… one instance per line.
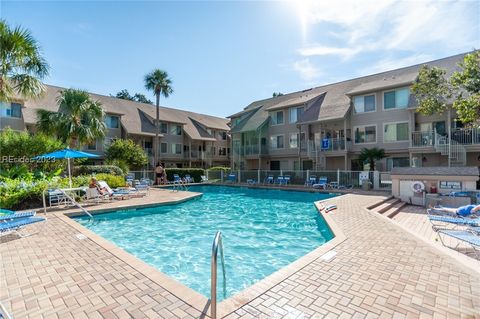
x=464, y=136
x=330, y=145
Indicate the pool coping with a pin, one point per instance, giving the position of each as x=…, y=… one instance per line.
x=188, y=295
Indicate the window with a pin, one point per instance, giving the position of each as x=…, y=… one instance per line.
x=277, y=118
x=222, y=151
x=295, y=114
x=395, y=132
x=293, y=142
x=147, y=144
x=92, y=146
x=176, y=130
x=364, y=103
x=397, y=162
x=177, y=148
x=396, y=99
x=222, y=135
x=365, y=134
x=112, y=121
x=164, y=128
x=163, y=148
x=10, y=110
x=276, y=141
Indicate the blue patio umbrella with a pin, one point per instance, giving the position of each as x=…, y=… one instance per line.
x=66, y=153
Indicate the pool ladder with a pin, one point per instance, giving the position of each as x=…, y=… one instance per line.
x=217, y=246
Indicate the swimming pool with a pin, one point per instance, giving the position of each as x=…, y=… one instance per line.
x=263, y=230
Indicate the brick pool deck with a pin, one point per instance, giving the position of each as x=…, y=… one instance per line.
x=379, y=271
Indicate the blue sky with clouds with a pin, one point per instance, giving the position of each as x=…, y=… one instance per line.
x=223, y=55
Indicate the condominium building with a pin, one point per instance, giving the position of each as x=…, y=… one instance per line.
x=187, y=139
x=326, y=128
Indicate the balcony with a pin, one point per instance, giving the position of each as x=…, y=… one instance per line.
x=461, y=136
x=423, y=139
x=334, y=145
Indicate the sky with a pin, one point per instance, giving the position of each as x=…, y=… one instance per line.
x=223, y=55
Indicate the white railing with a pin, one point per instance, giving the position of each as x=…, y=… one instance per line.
x=345, y=179
x=456, y=152
x=423, y=138
x=468, y=136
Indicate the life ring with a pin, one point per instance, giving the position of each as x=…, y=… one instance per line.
x=418, y=187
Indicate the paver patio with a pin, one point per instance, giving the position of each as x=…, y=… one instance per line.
x=380, y=271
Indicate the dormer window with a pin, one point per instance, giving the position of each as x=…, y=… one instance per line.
x=10, y=110
x=364, y=103
x=396, y=99
x=112, y=121
x=277, y=118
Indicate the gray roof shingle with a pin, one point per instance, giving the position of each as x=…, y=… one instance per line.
x=441, y=170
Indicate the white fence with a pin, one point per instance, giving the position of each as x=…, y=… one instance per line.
x=347, y=179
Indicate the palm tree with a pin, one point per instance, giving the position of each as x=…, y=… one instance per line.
x=158, y=82
x=371, y=155
x=79, y=119
x=21, y=65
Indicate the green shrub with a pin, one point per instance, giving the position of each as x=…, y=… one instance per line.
x=18, y=195
x=195, y=173
x=113, y=181
x=126, y=152
x=220, y=168
x=22, y=145
x=97, y=169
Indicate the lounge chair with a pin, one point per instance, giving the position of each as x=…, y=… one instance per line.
x=286, y=180
x=115, y=194
x=232, y=178
x=204, y=179
x=312, y=180
x=7, y=215
x=93, y=195
x=438, y=221
x=188, y=179
x=463, y=235
x=17, y=224
x=251, y=181
x=268, y=180
x=322, y=183
x=279, y=180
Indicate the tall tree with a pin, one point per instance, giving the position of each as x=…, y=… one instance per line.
x=79, y=119
x=159, y=83
x=435, y=93
x=138, y=97
x=275, y=94
x=371, y=155
x=22, y=65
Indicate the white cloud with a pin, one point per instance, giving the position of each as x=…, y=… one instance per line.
x=395, y=63
x=374, y=26
x=306, y=70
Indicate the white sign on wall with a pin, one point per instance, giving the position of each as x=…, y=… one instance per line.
x=363, y=176
x=450, y=185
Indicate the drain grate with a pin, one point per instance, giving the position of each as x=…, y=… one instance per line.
x=80, y=236
x=329, y=255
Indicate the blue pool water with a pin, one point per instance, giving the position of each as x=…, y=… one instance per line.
x=263, y=230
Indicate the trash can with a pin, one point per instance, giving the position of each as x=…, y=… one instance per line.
x=366, y=185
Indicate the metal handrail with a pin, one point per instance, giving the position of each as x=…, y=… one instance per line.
x=74, y=202
x=4, y=312
x=217, y=244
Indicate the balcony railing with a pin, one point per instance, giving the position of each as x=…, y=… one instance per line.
x=468, y=136
x=334, y=145
x=461, y=136
x=423, y=139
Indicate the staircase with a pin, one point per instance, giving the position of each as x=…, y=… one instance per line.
x=316, y=155
x=389, y=207
x=456, y=152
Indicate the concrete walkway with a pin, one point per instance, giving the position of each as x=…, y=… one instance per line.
x=379, y=271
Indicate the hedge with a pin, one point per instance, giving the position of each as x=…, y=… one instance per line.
x=195, y=173
x=220, y=168
x=97, y=169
